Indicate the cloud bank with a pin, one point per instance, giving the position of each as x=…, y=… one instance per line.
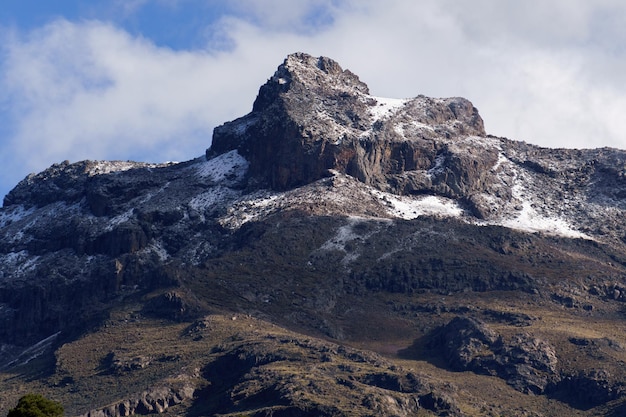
x=550, y=73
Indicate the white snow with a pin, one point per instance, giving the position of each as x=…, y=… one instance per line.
x=210, y=198
x=482, y=141
x=107, y=167
x=501, y=160
x=533, y=214
x=31, y=218
x=252, y=207
x=229, y=166
x=18, y=263
x=119, y=219
x=439, y=166
x=13, y=214
x=338, y=131
x=385, y=106
x=17, y=237
x=419, y=125
x=240, y=126
x=532, y=217
x=530, y=220
x=408, y=208
x=14, y=257
x=344, y=235
x=53, y=210
x=158, y=249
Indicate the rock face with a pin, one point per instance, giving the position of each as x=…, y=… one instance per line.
x=526, y=363
x=385, y=224
x=153, y=401
x=312, y=116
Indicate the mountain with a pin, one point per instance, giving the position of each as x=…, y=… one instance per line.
x=332, y=253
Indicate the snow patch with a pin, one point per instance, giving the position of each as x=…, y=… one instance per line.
x=227, y=167
x=421, y=126
x=13, y=214
x=119, y=219
x=385, y=106
x=19, y=263
x=407, y=130
x=439, y=167
x=214, y=196
x=107, y=167
x=501, y=160
x=339, y=130
x=409, y=208
x=252, y=207
x=485, y=142
x=530, y=216
x=346, y=234
x=158, y=249
x=529, y=220
x=14, y=257
x=239, y=126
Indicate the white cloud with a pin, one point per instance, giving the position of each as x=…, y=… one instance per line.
x=280, y=15
x=89, y=90
x=551, y=73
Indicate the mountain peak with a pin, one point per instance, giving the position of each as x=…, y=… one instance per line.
x=300, y=72
x=312, y=116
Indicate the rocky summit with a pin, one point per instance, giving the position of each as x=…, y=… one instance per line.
x=333, y=253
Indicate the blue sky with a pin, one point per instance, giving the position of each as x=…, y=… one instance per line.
x=149, y=79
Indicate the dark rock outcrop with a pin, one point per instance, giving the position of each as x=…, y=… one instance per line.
x=527, y=363
x=318, y=379
x=153, y=401
x=174, y=306
x=589, y=388
x=466, y=343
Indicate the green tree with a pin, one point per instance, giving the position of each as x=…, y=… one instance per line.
x=35, y=405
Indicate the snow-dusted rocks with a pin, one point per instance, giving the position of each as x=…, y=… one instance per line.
x=312, y=116
x=322, y=180
x=227, y=168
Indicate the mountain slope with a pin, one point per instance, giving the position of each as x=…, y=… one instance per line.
x=390, y=247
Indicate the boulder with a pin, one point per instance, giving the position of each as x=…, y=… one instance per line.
x=527, y=363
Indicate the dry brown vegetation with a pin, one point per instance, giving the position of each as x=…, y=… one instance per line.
x=237, y=362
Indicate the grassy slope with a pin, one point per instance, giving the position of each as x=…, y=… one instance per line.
x=297, y=292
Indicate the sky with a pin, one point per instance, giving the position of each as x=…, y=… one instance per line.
x=148, y=80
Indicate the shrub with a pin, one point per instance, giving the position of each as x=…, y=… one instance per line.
x=35, y=405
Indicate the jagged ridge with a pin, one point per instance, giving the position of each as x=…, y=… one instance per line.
x=312, y=116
